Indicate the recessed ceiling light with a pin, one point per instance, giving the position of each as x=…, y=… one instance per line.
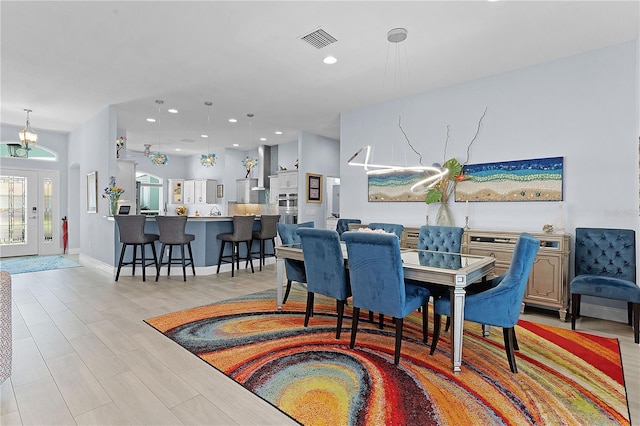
x=233, y=120
x=235, y=144
x=330, y=60
x=278, y=132
x=173, y=111
x=263, y=139
x=204, y=136
x=178, y=149
x=151, y=120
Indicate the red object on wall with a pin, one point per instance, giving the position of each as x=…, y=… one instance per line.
x=65, y=233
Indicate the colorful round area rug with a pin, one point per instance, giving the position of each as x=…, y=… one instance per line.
x=564, y=377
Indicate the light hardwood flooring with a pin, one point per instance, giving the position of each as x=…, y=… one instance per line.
x=83, y=355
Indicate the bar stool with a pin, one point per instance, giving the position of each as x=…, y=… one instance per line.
x=172, y=234
x=268, y=231
x=131, y=230
x=242, y=232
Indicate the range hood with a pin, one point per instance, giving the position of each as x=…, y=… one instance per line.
x=264, y=167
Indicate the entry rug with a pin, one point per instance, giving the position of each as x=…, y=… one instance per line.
x=564, y=377
x=21, y=265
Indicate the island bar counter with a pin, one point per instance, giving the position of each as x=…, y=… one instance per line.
x=206, y=247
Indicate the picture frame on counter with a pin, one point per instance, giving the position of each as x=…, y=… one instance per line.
x=314, y=188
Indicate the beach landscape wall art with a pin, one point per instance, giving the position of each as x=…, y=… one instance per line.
x=394, y=187
x=523, y=180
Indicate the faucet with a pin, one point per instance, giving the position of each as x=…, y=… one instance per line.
x=215, y=211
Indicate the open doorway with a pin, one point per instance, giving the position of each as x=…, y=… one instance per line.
x=333, y=201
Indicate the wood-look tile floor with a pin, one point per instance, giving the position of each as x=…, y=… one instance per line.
x=83, y=355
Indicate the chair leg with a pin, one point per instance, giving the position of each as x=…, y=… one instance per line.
x=399, y=322
x=124, y=246
x=307, y=314
x=437, y=319
x=371, y=316
x=354, y=326
x=381, y=321
x=508, y=346
x=447, y=324
x=249, y=255
x=184, y=265
x=237, y=255
x=193, y=266
x=515, y=340
x=133, y=263
x=575, y=309
x=219, y=256
x=286, y=293
x=169, y=260
x=159, y=265
x=636, y=322
x=261, y=254
x=143, y=261
x=340, y=309
x=155, y=255
x=629, y=312
x=425, y=324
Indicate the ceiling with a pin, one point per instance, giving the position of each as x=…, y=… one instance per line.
x=68, y=60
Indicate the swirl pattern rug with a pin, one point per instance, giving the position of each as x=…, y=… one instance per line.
x=564, y=377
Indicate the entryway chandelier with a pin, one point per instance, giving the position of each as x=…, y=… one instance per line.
x=27, y=135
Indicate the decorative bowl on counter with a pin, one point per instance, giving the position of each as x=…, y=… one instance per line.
x=181, y=210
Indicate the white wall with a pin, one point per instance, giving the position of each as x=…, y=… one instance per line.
x=583, y=108
x=317, y=155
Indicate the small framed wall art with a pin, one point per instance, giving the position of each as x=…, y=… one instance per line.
x=314, y=188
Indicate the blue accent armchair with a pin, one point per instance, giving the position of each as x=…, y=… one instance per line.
x=605, y=266
x=324, y=265
x=500, y=305
x=377, y=282
x=343, y=225
x=388, y=227
x=294, y=268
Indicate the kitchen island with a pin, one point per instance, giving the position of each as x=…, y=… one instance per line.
x=206, y=247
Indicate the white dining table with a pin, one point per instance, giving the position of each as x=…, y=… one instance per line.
x=453, y=270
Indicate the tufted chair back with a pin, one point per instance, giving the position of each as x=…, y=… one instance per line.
x=606, y=252
x=393, y=228
x=343, y=225
x=288, y=231
x=440, y=238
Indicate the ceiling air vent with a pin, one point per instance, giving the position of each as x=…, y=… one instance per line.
x=319, y=38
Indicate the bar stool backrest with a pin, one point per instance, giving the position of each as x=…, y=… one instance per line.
x=243, y=227
x=268, y=226
x=172, y=229
x=131, y=228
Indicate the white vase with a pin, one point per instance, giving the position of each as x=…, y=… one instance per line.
x=443, y=217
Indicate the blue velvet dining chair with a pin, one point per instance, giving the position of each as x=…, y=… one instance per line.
x=294, y=269
x=325, y=270
x=605, y=266
x=446, y=239
x=500, y=305
x=392, y=228
x=342, y=225
x=377, y=282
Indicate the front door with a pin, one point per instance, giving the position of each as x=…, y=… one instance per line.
x=29, y=212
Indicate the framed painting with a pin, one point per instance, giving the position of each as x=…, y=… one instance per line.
x=538, y=179
x=92, y=192
x=314, y=188
x=394, y=187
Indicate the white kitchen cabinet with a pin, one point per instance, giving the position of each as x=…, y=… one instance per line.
x=189, y=191
x=205, y=191
x=288, y=181
x=244, y=194
x=273, y=189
